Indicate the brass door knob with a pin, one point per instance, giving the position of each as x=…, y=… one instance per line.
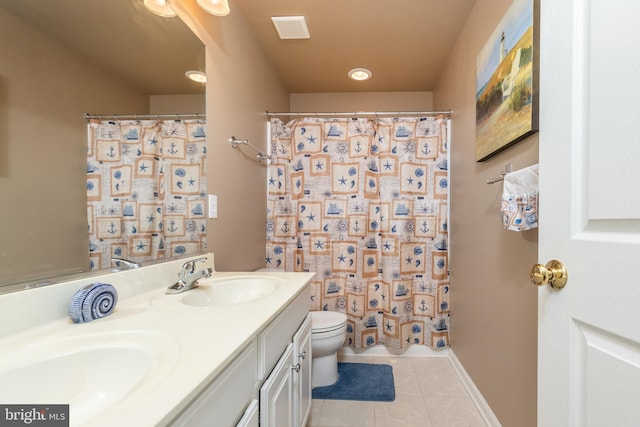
x=553, y=273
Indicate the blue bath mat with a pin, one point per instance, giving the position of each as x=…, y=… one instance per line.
x=360, y=381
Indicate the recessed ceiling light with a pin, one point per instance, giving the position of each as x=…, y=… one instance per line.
x=196, y=76
x=159, y=7
x=215, y=7
x=360, y=74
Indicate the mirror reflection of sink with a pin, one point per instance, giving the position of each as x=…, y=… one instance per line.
x=230, y=290
x=89, y=372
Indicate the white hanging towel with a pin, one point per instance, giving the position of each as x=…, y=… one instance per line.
x=519, y=211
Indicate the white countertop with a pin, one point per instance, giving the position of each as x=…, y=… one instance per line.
x=194, y=343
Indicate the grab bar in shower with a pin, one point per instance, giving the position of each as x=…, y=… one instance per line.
x=235, y=142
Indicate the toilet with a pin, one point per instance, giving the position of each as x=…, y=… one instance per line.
x=328, y=332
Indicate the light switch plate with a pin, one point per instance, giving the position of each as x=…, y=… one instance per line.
x=213, y=206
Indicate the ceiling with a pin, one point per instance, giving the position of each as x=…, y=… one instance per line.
x=405, y=46
x=405, y=43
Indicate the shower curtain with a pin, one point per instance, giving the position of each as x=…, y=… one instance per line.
x=363, y=204
x=146, y=189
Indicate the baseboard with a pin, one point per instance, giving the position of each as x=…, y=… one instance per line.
x=380, y=350
x=485, y=410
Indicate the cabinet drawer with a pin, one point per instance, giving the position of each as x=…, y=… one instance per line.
x=273, y=340
x=224, y=401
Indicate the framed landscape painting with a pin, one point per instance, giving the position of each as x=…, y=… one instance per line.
x=507, y=81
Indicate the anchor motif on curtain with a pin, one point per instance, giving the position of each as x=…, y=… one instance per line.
x=363, y=204
x=145, y=189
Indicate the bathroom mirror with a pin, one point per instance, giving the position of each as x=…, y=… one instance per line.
x=60, y=59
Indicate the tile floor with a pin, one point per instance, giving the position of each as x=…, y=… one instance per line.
x=429, y=393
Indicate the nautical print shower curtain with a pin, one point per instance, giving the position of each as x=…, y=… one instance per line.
x=146, y=189
x=363, y=204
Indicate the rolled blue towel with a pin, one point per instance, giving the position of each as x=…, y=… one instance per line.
x=93, y=302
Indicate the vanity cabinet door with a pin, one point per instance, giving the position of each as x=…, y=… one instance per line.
x=276, y=395
x=250, y=417
x=302, y=375
x=279, y=333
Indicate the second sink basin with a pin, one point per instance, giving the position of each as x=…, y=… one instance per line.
x=230, y=290
x=91, y=372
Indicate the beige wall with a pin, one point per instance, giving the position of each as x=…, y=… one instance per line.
x=173, y=104
x=361, y=101
x=493, y=318
x=45, y=89
x=241, y=86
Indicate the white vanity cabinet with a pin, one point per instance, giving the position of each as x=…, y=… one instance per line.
x=276, y=395
x=302, y=377
x=285, y=397
x=268, y=384
x=225, y=400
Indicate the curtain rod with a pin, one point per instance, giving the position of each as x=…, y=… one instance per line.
x=88, y=116
x=367, y=113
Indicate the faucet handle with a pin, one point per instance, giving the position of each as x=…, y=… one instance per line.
x=190, y=266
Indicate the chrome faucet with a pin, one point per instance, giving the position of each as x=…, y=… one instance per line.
x=188, y=277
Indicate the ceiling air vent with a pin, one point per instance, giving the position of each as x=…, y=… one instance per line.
x=291, y=27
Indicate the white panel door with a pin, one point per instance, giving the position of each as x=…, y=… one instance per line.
x=589, y=331
x=276, y=394
x=302, y=374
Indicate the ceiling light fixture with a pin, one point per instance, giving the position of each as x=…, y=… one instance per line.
x=196, y=76
x=291, y=27
x=360, y=74
x=160, y=7
x=215, y=7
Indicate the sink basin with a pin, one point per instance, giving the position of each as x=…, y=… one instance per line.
x=89, y=372
x=230, y=290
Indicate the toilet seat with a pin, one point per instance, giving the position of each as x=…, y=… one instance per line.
x=327, y=321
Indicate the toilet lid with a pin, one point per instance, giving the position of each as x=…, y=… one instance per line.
x=324, y=321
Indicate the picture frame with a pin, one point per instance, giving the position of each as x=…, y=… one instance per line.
x=507, y=81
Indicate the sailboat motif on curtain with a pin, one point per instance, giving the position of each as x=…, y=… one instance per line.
x=146, y=189
x=363, y=204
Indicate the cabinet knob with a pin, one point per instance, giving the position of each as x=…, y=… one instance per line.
x=296, y=367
